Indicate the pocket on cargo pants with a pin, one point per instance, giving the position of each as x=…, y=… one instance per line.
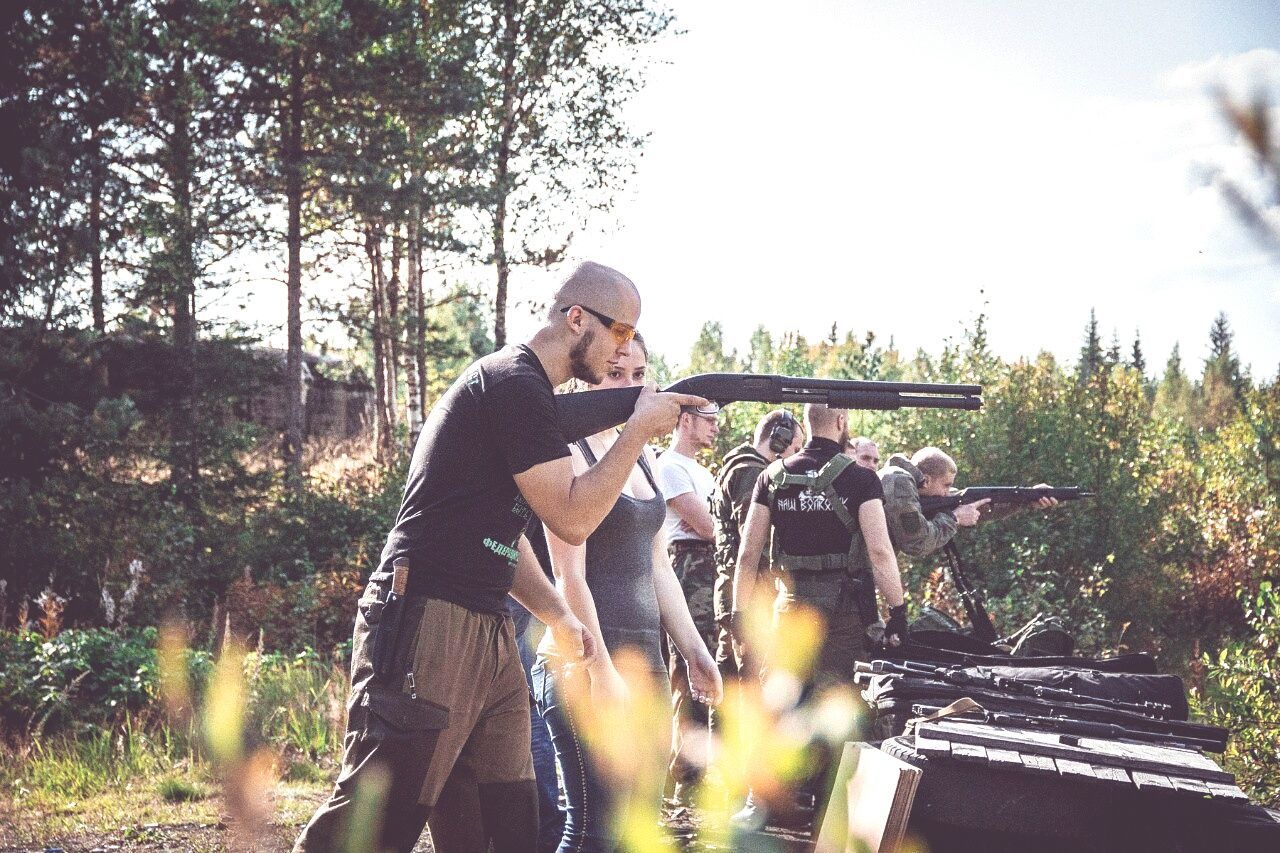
x=399, y=735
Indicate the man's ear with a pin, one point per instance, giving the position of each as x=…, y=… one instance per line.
x=574, y=319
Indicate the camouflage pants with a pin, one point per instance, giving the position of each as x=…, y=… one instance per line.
x=835, y=597
x=695, y=567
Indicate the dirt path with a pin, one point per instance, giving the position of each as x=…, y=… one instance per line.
x=103, y=825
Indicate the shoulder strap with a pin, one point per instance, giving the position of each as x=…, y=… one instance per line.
x=587, y=452
x=834, y=468
x=825, y=482
x=648, y=472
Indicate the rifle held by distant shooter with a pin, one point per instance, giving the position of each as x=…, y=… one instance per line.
x=589, y=412
x=1008, y=495
x=983, y=628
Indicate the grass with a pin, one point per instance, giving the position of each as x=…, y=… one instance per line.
x=175, y=789
x=103, y=789
x=143, y=777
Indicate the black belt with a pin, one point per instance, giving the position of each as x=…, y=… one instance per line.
x=692, y=544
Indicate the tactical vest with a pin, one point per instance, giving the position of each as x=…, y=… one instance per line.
x=728, y=531
x=823, y=483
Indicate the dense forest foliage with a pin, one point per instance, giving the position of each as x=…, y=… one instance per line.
x=152, y=147
x=159, y=155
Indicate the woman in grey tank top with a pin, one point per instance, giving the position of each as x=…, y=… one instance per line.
x=621, y=586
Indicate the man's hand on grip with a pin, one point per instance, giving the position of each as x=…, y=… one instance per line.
x=657, y=412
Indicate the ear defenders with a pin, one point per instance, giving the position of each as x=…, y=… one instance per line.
x=782, y=433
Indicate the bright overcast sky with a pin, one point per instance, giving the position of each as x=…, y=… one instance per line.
x=902, y=166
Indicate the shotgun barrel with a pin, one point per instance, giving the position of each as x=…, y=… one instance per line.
x=589, y=412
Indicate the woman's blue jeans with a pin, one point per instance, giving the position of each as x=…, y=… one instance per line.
x=588, y=824
x=550, y=819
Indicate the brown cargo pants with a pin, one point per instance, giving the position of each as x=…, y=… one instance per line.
x=445, y=745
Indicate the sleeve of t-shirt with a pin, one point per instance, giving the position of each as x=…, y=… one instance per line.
x=861, y=485
x=761, y=492
x=521, y=415
x=673, y=480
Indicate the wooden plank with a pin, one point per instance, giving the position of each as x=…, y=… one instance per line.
x=1227, y=792
x=1151, y=759
x=932, y=746
x=1039, y=763
x=1076, y=769
x=1004, y=758
x=1111, y=774
x=1151, y=781
x=968, y=752
x=1190, y=786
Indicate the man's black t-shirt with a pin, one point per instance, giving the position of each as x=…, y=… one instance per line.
x=462, y=514
x=808, y=527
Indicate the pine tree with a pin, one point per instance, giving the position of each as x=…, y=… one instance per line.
x=1091, y=355
x=1136, y=359
x=1112, y=358
x=1222, y=387
x=554, y=141
x=1175, y=395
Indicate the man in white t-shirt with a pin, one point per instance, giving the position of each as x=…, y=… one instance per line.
x=687, y=486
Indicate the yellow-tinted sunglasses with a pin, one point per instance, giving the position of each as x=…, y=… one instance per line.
x=622, y=332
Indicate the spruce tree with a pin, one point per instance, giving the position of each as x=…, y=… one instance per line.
x=1136, y=359
x=1091, y=354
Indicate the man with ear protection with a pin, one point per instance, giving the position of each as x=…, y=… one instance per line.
x=778, y=435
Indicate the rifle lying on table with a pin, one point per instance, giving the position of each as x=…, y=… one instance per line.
x=589, y=412
x=1008, y=495
x=1211, y=739
x=983, y=628
x=1013, y=686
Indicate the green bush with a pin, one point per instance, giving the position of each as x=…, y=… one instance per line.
x=1243, y=696
x=82, y=678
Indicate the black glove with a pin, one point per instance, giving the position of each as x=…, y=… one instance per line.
x=896, y=626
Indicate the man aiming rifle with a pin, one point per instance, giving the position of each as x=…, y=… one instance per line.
x=929, y=476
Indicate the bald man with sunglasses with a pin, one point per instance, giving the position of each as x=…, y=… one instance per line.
x=439, y=709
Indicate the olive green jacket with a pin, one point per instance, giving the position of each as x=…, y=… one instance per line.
x=910, y=532
x=729, y=505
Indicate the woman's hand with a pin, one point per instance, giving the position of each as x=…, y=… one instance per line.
x=705, y=684
x=607, y=686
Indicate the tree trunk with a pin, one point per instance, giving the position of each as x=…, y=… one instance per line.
x=393, y=326
x=95, y=234
x=96, y=296
x=294, y=430
x=381, y=429
x=509, y=47
x=179, y=252
x=504, y=273
x=413, y=314
x=420, y=339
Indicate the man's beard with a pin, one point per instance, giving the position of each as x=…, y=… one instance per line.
x=578, y=360
x=844, y=438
